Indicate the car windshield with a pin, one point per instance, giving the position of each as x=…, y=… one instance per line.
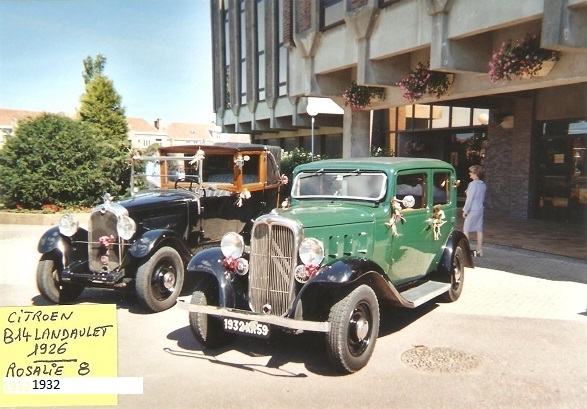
x=353, y=184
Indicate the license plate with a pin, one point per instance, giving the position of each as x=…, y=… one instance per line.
x=245, y=327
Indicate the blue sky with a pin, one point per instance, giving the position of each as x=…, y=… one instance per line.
x=158, y=55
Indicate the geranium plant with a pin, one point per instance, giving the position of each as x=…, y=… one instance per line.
x=421, y=81
x=519, y=59
x=360, y=96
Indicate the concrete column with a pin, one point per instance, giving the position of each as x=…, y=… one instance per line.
x=355, y=134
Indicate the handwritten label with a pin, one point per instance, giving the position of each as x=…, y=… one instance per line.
x=54, y=342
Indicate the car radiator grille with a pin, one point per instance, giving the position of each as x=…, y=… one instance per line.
x=103, y=225
x=272, y=262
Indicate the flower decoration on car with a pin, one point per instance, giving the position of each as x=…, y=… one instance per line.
x=421, y=81
x=244, y=195
x=284, y=180
x=396, y=216
x=286, y=203
x=198, y=157
x=436, y=221
x=303, y=273
x=524, y=58
x=240, y=160
x=105, y=241
x=230, y=263
x=360, y=96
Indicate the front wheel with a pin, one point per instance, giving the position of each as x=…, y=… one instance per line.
x=159, y=280
x=354, y=327
x=208, y=330
x=457, y=276
x=50, y=287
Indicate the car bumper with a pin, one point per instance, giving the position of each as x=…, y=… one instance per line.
x=316, y=326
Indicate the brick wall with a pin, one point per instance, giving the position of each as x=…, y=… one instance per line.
x=507, y=163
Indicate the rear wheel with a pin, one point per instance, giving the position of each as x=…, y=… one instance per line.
x=354, y=327
x=50, y=287
x=457, y=276
x=159, y=280
x=208, y=330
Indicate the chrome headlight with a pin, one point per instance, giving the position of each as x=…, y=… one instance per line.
x=126, y=227
x=68, y=225
x=311, y=252
x=232, y=245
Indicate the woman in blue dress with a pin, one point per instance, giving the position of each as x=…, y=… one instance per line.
x=473, y=209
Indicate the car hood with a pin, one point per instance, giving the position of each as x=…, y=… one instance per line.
x=155, y=199
x=328, y=214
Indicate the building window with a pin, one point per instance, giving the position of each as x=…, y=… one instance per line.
x=227, y=81
x=243, y=46
x=282, y=64
x=562, y=181
x=421, y=117
x=331, y=14
x=260, y=24
x=385, y=3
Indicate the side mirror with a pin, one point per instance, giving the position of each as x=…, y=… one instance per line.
x=408, y=201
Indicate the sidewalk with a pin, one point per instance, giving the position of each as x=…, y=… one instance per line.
x=536, y=235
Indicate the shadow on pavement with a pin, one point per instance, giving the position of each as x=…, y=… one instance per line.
x=124, y=299
x=533, y=264
x=282, y=348
x=267, y=356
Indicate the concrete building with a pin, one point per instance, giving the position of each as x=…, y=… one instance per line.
x=269, y=56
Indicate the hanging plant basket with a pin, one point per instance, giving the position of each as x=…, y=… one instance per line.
x=359, y=96
x=547, y=66
x=422, y=81
x=522, y=59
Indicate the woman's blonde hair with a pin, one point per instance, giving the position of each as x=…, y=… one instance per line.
x=477, y=170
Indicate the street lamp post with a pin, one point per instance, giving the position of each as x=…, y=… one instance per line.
x=312, y=111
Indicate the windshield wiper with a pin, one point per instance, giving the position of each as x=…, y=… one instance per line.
x=353, y=173
x=311, y=175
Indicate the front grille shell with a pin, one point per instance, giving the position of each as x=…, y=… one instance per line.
x=103, y=222
x=275, y=242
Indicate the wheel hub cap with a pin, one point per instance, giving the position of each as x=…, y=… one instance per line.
x=169, y=280
x=361, y=329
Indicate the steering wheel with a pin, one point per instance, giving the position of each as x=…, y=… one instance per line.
x=191, y=179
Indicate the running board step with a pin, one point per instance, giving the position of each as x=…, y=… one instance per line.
x=424, y=292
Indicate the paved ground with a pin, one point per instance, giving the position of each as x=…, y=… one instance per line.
x=515, y=339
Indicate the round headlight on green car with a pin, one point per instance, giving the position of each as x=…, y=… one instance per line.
x=126, y=227
x=232, y=245
x=311, y=252
x=68, y=225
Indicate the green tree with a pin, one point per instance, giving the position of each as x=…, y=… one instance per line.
x=102, y=107
x=52, y=159
x=93, y=67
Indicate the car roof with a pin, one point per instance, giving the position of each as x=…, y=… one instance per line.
x=387, y=164
x=231, y=148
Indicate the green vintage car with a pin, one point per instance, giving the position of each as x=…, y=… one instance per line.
x=356, y=235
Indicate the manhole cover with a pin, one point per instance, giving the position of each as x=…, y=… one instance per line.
x=440, y=360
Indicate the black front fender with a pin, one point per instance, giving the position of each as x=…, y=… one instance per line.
x=152, y=240
x=347, y=273
x=66, y=249
x=208, y=264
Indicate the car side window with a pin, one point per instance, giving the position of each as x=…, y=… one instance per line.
x=251, y=170
x=413, y=184
x=441, y=188
x=273, y=175
x=219, y=169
